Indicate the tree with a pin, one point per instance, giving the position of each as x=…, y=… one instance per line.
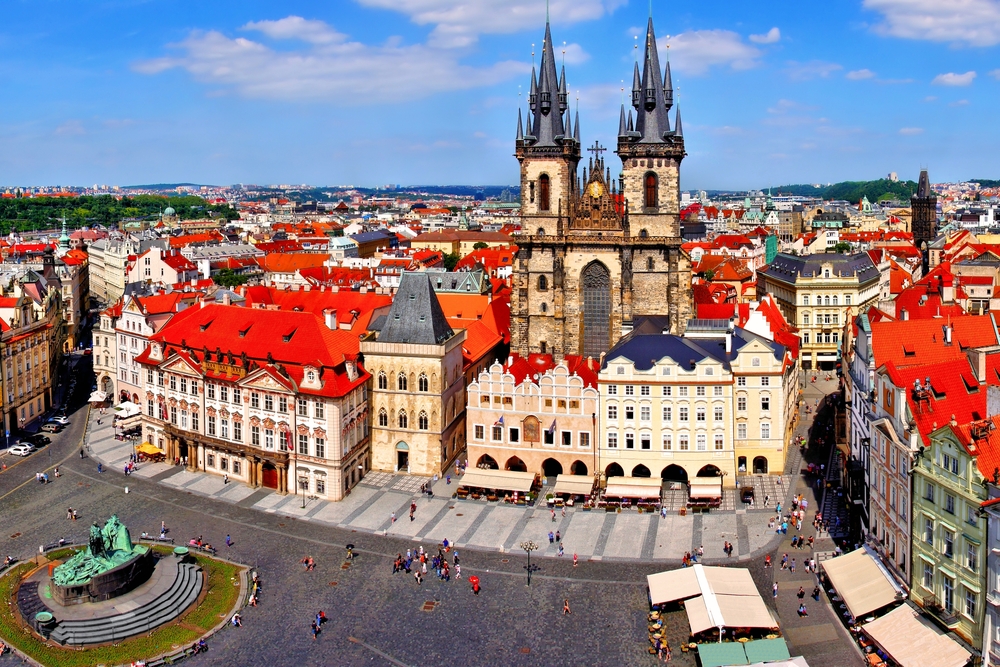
x=709, y=275
x=229, y=278
x=480, y=245
x=451, y=260
x=842, y=248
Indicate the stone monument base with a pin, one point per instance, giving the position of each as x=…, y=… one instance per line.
x=107, y=585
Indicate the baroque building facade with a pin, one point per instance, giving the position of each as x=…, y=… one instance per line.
x=596, y=253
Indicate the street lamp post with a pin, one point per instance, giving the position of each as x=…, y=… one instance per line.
x=528, y=546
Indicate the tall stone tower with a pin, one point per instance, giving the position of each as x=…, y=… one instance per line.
x=597, y=253
x=923, y=212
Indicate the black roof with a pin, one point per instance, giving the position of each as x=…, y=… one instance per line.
x=646, y=350
x=416, y=315
x=790, y=268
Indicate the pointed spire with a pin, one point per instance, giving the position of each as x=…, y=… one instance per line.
x=678, y=130
x=520, y=131
x=668, y=87
x=636, y=87
x=576, y=125
x=563, y=105
x=533, y=93
x=652, y=122
x=622, y=130
x=630, y=127
x=569, y=127
x=548, y=118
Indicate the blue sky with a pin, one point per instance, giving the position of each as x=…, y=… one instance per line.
x=368, y=92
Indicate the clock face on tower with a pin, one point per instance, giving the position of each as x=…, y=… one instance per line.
x=595, y=189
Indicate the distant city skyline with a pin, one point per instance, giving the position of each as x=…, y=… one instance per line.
x=427, y=91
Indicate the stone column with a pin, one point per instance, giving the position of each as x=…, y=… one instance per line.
x=282, y=479
x=193, y=451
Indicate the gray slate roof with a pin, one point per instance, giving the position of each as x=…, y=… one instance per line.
x=789, y=268
x=416, y=315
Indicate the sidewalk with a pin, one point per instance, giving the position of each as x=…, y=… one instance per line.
x=592, y=535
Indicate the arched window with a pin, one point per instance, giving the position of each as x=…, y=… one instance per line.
x=383, y=418
x=422, y=382
x=650, y=264
x=643, y=234
x=401, y=382
x=543, y=283
x=826, y=300
x=650, y=199
x=543, y=192
x=403, y=419
x=422, y=421
x=835, y=299
x=383, y=382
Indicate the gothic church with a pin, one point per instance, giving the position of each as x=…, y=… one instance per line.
x=598, y=255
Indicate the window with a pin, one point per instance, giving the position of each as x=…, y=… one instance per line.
x=716, y=391
x=741, y=382
x=718, y=441
x=949, y=543
x=805, y=299
x=149, y=373
x=700, y=390
x=255, y=436
x=319, y=410
x=741, y=431
x=269, y=402
x=629, y=412
x=667, y=444
x=949, y=503
x=928, y=580
x=700, y=414
x=847, y=299
x=644, y=413
x=629, y=390
x=972, y=557
x=612, y=390
x=422, y=384
x=268, y=438
x=402, y=419
x=683, y=413
x=383, y=418
x=422, y=421
x=650, y=198
x=184, y=385
x=612, y=441
x=383, y=382
x=970, y=603
x=702, y=442
x=237, y=395
x=612, y=411
x=184, y=418
x=479, y=432
x=194, y=421
x=765, y=431
x=149, y=407
x=667, y=413
x=543, y=283
x=223, y=463
x=644, y=390
x=667, y=391
x=543, y=192
x=805, y=338
x=224, y=394
x=805, y=319
x=682, y=442
x=282, y=404
x=173, y=383
x=765, y=381
x=194, y=387
x=224, y=428
x=929, y=492
x=513, y=435
x=210, y=391
x=971, y=518
x=682, y=391
x=303, y=445
x=948, y=594
x=584, y=439
x=173, y=415
x=929, y=532
x=320, y=452
x=567, y=438
x=765, y=403
x=211, y=425
x=302, y=407
x=717, y=413
x=755, y=362
x=254, y=399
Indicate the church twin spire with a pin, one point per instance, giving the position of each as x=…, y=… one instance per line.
x=652, y=99
x=549, y=123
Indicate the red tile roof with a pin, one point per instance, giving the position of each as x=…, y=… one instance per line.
x=921, y=342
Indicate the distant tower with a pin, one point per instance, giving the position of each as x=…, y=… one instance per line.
x=923, y=212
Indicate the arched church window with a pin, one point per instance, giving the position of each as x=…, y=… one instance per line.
x=383, y=382
x=422, y=382
x=543, y=192
x=403, y=419
x=643, y=234
x=401, y=382
x=650, y=265
x=650, y=199
x=383, y=418
x=543, y=283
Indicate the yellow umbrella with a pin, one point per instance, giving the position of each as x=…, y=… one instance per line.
x=148, y=448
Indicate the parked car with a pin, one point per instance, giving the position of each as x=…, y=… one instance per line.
x=52, y=427
x=58, y=419
x=38, y=440
x=88, y=351
x=22, y=450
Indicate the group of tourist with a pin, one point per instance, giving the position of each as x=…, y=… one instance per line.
x=416, y=562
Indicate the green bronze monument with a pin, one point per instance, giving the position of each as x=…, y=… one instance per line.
x=110, y=566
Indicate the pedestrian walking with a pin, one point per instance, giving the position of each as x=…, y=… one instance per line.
x=553, y=515
x=229, y=541
x=392, y=518
x=564, y=511
x=558, y=536
x=566, y=609
x=791, y=568
x=552, y=538
x=574, y=559
x=560, y=550
x=816, y=594
x=315, y=630
x=458, y=571
x=774, y=590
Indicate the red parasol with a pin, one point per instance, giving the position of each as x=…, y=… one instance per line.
x=473, y=580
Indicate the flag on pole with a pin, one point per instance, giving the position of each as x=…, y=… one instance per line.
x=499, y=422
x=552, y=429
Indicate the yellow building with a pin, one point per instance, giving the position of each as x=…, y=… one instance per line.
x=462, y=242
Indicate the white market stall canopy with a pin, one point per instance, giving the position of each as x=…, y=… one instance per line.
x=716, y=597
x=126, y=410
x=861, y=582
x=633, y=487
x=501, y=480
x=682, y=584
x=706, y=487
x=731, y=611
x=97, y=397
x=577, y=485
x=913, y=641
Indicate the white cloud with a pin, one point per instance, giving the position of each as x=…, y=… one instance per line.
x=814, y=69
x=971, y=22
x=952, y=79
x=860, y=75
x=930, y=98
x=458, y=24
x=697, y=51
x=574, y=54
x=911, y=131
x=770, y=37
x=959, y=103
x=995, y=74
x=327, y=66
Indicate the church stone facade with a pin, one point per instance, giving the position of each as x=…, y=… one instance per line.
x=598, y=253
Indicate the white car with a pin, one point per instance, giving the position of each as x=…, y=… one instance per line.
x=58, y=419
x=22, y=450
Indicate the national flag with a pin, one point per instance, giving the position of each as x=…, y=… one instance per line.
x=552, y=429
x=499, y=422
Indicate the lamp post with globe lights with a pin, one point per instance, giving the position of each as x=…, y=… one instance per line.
x=528, y=546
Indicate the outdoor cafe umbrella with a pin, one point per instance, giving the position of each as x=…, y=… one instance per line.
x=473, y=580
x=97, y=397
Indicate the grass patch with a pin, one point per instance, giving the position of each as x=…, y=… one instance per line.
x=220, y=596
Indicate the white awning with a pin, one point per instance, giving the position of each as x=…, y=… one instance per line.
x=633, y=487
x=913, y=641
x=682, y=584
x=860, y=582
x=501, y=480
x=97, y=397
x=730, y=611
x=577, y=485
x=706, y=487
x=126, y=409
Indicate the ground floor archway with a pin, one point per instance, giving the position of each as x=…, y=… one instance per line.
x=268, y=475
x=488, y=462
x=674, y=473
x=710, y=471
x=515, y=464
x=760, y=465
x=402, y=457
x=614, y=470
x=108, y=386
x=640, y=471
x=578, y=468
x=551, y=468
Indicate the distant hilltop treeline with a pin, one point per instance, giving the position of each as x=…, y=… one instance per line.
x=24, y=214
x=853, y=191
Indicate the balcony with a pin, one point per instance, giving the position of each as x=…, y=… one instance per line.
x=932, y=607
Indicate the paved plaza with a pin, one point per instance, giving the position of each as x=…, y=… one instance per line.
x=377, y=618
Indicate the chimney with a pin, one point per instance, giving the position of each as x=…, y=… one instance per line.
x=330, y=318
x=729, y=343
x=904, y=315
x=227, y=299
x=977, y=359
x=947, y=334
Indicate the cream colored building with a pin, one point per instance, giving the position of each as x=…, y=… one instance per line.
x=533, y=416
x=815, y=293
x=418, y=395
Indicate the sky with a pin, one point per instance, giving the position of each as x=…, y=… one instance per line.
x=373, y=92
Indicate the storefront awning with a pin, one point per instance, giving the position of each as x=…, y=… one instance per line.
x=766, y=650
x=633, y=487
x=126, y=409
x=500, y=480
x=913, y=641
x=97, y=396
x=149, y=449
x=860, y=582
x=129, y=422
x=730, y=611
x=684, y=583
x=706, y=487
x=721, y=654
x=577, y=485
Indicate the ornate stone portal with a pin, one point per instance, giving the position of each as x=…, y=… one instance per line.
x=110, y=566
